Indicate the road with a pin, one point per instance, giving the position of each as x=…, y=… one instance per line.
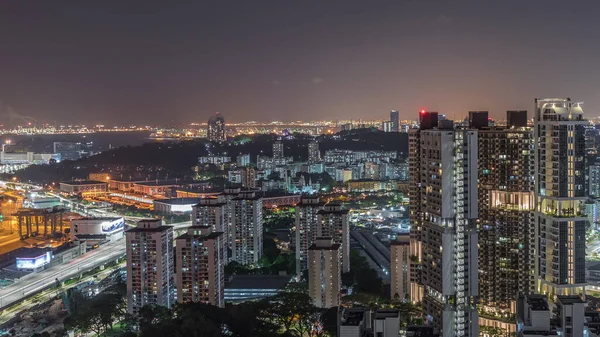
x=375, y=251
x=46, y=278
x=593, y=248
x=10, y=312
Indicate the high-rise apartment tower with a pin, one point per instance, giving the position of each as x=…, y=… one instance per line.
x=215, y=131
x=150, y=265
x=443, y=223
x=200, y=266
x=560, y=196
x=506, y=219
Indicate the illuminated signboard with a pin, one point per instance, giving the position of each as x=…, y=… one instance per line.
x=33, y=262
x=111, y=226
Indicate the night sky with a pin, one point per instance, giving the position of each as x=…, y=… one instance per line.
x=149, y=62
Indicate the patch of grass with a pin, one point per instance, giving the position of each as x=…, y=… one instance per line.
x=70, y=281
x=116, y=330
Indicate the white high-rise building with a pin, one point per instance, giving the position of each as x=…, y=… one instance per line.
x=324, y=273
x=333, y=223
x=243, y=160
x=443, y=224
x=228, y=195
x=150, y=268
x=200, y=266
x=387, y=126
x=278, y=149
x=400, y=267
x=212, y=211
x=314, y=154
x=560, y=196
x=247, y=228
x=594, y=181
x=306, y=229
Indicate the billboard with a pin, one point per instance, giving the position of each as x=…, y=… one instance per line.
x=33, y=262
x=97, y=226
x=111, y=226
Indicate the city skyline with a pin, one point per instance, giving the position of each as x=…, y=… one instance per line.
x=308, y=60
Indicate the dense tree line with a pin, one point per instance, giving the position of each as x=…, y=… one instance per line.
x=98, y=313
x=289, y=314
x=363, y=279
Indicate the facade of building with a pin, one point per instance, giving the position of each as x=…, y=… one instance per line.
x=83, y=187
x=386, y=323
x=216, y=128
x=400, y=267
x=560, y=196
x=375, y=185
x=175, y=205
x=246, y=228
x=150, y=265
x=571, y=313
x=212, y=212
x=516, y=118
x=443, y=213
x=248, y=177
x=314, y=154
x=333, y=222
x=97, y=230
x=278, y=149
x=395, y=119
x=154, y=188
x=387, y=126
x=243, y=160
x=593, y=181
x=506, y=219
x=214, y=160
x=122, y=185
x=240, y=288
x=27, y=158
x=282, y=200
x=306, y=225
x=324, y=273
x=72, y=150
x=200, y=266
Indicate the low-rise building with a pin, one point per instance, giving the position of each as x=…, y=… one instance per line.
x=240, y=288
x=353, y=322
x=386, y=323
x=27, y=158
x=175, y=205
x=372, y=185
x=154, y=188
x=215, y=160
x=571, y=315
x=33, y=259
x=84, y=187
x=123, y=185
x=99, y=176
x=534, y=320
